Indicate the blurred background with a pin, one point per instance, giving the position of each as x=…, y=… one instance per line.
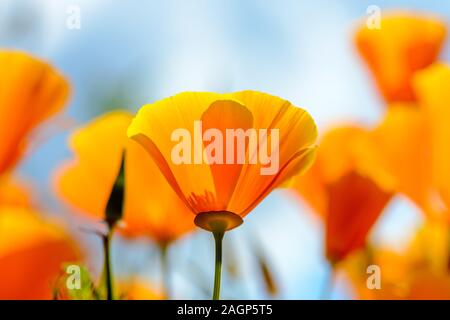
x=127, y=54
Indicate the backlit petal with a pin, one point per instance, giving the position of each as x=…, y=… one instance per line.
x=30, y=92
x=297, y=135
x=236, y=188
x=151, y=207
x=32, y=253
x=404, y=44
x=153, y=128
x=397, y=154
x=355, y=203
x=348, y=202
x=13, y=193
x=433, y=89
x=222, y=115
x=86, y=182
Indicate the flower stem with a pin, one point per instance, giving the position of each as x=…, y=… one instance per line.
x=165, y=272
x=328, y=285
x=107, y=267
x=218, y=236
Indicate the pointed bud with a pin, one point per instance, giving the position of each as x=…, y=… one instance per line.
x=114, y=208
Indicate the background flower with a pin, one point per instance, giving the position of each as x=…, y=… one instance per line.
x=419, y=271
x=404, y=44
x=32, y=253
x=151, y=207
x=432, y=89
x=31, y=91
x=348, y=202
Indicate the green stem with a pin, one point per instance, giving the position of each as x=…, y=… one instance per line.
x=328, y=285
x=107, y=268
x=218, y=236
x=165, y=272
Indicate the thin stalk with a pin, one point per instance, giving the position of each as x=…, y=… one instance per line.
x=165, y=272
x=218, y=236
x=328, y=285
x=107, y=267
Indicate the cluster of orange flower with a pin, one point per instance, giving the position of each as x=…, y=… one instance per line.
x=353, y=175
x=160, y=199
x=358, y=170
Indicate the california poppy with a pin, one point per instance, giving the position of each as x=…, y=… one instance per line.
x=418, y=271
x=137, y=289
x=13, y=192
x=397, y=154
x=128, y=289
x=432, y=87
x=192, y=137
x=404, y=44
x=31, y=251
x=31, y=92
x=394, y=270
x=151, y=207
x=348, y=201
x=31, y=254
x=402, y=152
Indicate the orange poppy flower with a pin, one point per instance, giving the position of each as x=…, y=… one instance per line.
x=394, y=274
x=416, y=286
x=430, y=287
x=139, y=290
x=31, y=91
x=418, y=272
x=400, y=280
x=405, y=44
x=397, y=154
x=220, y=188
x=151, y=207
x=31, y=254
x=432, y=87
x=128, y=289
x=13, y=193
x=223, y=153
x=347, y=201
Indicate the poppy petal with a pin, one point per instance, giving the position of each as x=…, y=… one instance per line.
x=30, y=92
x=404, y=44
